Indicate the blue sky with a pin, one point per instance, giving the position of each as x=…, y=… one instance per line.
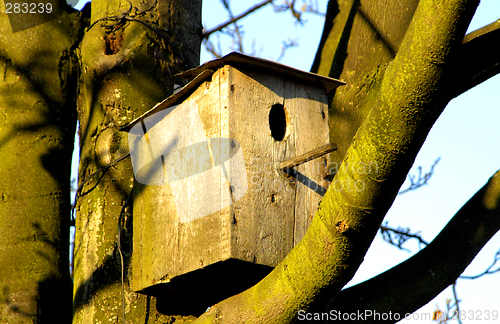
x=466, y=138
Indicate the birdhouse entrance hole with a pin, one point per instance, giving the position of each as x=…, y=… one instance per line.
x=278, y=122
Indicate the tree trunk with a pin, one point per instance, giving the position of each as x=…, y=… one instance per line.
x=126, y=69
x=360, y=39
x=37, y=125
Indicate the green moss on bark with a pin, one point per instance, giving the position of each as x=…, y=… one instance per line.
x=126, y=70
x=38, y=118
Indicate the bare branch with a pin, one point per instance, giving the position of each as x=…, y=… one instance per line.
x=234, y=19
x=310, y=7
x=399, y=236
x=457, y=302
x=235, y=33
x=417, y=182
x=435, y=267
x=480, y=57
x=289, y=5
x=452, y=311
x=210, y=47
x=488, y=270
x=289, y=43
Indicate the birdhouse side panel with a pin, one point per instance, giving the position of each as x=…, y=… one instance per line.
x=155, y=239
x=183, y=225
x=207, y=240
x=138, y=282
x=262, y=225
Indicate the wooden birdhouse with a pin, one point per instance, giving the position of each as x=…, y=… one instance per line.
x=218, y=200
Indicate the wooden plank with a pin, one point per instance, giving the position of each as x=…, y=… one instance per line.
x=263, y=224
x=310, y=119
x=306, y=157
x=206, y=240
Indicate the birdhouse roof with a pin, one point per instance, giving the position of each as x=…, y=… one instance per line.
x=205, y=71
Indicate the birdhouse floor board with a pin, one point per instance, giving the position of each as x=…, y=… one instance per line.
x=192, y=293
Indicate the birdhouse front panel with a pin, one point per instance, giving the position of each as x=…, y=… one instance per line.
x=223, y=209
x=274, y=119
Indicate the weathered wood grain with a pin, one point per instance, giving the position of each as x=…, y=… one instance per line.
x=259, y=228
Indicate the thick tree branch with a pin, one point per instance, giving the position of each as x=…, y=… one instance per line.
x=480, y=59
x=411, y=97
x=482, y=31
x=435, y=267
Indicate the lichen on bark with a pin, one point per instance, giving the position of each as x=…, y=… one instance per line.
x=126, y=70
x=37, y=124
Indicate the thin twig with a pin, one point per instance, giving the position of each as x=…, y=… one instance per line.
x=236, y=32
x=210, y=47
x=457, y=302
x=234, y=19
x=401, y=236
x=422, y=179
x=488, y=270
x=297, y=14
x=286, y=45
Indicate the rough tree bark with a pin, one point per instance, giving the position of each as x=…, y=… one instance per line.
x=360, y=39
x=37, y=125
x=126, y=70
